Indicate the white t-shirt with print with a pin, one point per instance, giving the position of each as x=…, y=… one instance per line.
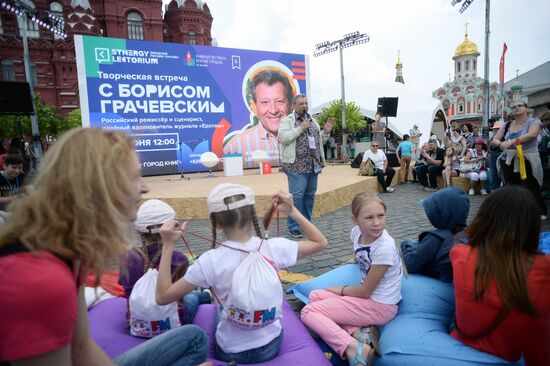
x=215, y=269
x=380, y=252
x=377, y=158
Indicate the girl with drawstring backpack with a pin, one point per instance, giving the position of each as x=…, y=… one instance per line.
x=241, y=336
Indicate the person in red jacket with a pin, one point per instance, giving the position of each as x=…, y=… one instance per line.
x=502, y=283
x=74, y=222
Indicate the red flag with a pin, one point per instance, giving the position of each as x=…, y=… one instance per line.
x=504, y=48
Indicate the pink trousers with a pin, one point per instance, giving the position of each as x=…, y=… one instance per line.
x=334, y=318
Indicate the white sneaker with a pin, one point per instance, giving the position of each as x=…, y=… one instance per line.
x=483, y=192
x=390, y=189
x=543, y=217
x=471, y=192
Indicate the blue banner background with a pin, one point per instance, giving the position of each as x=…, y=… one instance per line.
x=170, y=144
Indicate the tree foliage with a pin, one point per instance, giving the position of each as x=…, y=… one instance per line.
x=354, y=119
x=50, y=121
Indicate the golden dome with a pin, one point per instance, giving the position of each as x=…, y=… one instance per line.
x=398, y=64
x=467, y=47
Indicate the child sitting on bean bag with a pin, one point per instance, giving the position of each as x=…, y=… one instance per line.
x=447, y=211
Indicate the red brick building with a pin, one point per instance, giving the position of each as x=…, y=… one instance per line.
x=53, y=64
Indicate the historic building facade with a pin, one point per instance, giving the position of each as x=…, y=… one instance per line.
x=533, y=87
x=53, y=63
x=462, y=98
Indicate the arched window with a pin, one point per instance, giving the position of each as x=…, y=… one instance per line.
x=135, y=26
x=31, y=27
x=57, y=10
x=467, y=67
x=8, y=72
x=458, y=67
x=192, y=38
x=461, y=106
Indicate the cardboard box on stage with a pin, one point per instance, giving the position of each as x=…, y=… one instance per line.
x=232, y=165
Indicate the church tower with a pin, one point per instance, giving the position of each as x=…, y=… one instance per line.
x=399, y=70
x=466, y=59
x=517, y=89
x=81, y=19
x=188, y=21
x=462, y=98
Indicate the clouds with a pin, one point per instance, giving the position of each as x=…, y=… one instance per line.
x=426, y=32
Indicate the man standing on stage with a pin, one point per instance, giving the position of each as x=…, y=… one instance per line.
x=302, y=157
x=415, y=139
x=379, y=131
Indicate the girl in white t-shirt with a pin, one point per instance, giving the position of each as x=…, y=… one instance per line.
x=231, y=208
x=337, y=313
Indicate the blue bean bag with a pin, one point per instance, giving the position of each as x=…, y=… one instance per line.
x=419, y=334
x=544, y=242
x=108, y=320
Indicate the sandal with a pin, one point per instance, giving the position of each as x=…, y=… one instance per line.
x=358, y=359
x=371, y=336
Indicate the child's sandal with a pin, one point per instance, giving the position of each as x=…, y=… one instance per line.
x=371, y=336
x=358, y=359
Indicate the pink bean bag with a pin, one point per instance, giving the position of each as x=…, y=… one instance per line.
x=107, y=326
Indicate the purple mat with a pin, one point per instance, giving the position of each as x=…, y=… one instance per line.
x=107, y=326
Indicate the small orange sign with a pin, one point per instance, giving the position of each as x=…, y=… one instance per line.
x=265, y=168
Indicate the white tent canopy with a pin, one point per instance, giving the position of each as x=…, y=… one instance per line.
x=412, y=108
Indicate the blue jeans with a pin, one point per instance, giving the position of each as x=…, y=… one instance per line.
x=303, y=188
x=494, y=178
x=191, y=303
x=185, y=345
x=256, y=355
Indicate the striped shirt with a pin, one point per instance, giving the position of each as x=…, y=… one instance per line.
x=254, y=138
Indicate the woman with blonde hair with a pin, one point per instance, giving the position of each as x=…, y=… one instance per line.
x=74, y=220
x=502, y=283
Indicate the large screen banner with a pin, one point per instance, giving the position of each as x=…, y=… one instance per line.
x=181, y=100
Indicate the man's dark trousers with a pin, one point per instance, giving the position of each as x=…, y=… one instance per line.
x=390, y=172
x=431, y=171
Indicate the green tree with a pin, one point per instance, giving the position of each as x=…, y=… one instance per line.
x=354, y=119
x=50, y=121
x=74, y=119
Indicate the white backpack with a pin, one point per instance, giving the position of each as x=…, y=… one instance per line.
x=255, y=298
x=147, y=318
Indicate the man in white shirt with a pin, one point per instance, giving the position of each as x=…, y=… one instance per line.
x=381, y=162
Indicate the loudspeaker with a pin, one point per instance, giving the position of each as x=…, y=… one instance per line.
x=392, y=160
x=356, y=163
x=387, y=106
x=15, y=98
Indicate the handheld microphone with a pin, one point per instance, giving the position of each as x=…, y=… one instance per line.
x=307, y=116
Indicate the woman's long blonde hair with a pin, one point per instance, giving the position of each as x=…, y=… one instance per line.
x=76, y=207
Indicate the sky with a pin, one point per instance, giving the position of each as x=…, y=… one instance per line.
x=426, y=32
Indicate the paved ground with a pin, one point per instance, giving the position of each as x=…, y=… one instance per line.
x=405, y=219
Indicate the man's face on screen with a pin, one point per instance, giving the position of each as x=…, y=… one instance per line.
x=271, y=105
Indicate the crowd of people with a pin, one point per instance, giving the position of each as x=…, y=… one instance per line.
x=501, y=279
x=515, y=152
